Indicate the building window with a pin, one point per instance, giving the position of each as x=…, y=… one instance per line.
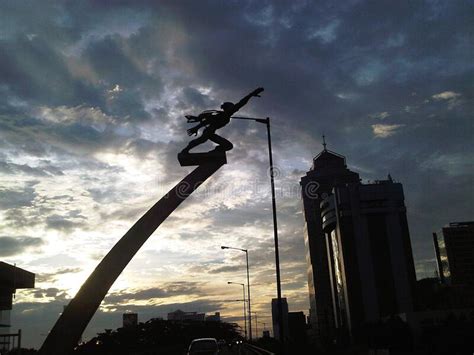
x=337, y=262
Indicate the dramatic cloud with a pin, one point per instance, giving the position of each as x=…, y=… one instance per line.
x=14, y=198
x=385, y=130
x=51, y=292
x=453, y=98
x=92, y=102
x=50, y=277
x=380, y=115
x=168, y=290
x=15, y=245
x=62, y=223
x=446, y=95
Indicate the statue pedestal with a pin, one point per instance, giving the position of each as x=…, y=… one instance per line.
x=213, y=157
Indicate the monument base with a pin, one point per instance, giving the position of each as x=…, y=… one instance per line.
x=214, y=157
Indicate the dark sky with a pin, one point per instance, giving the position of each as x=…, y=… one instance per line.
x=92, y=99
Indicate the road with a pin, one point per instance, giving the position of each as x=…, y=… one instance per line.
x=239, y=350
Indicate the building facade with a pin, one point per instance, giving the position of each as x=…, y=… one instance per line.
x=216, y=317
x=371, y=266
x=360, y=263
x=129, y=320
x=454, y=247
x=276, y=316
x=329, y=169
x=11, y=279
x=297, y=328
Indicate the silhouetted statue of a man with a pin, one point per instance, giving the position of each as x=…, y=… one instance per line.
x=212, y=120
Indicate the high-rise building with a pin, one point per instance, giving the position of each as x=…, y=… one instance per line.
x=454, y=247
x=371, y=267
x=276, y=316
x=360, y=263
x=329, y=169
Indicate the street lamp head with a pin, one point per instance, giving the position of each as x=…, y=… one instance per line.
x=228, y=282
x=224, y=247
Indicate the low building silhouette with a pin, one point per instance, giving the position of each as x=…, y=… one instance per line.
x=156, y=336
x=130, y=320
x=216, y=317
x=297, y=328
x=180, y=315
x=434, y=295
x=276, y=316
x=454, y=248
x=11, y=279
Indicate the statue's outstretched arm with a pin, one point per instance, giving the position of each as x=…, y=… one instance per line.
x=246, y=99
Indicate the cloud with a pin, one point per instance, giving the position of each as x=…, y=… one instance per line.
x=450, y=164
x=25, y=169
x=224, y=269
x=10, y=246
x=385, y=130
x=63, y=223
x=380, y=115
x=56, y=85
x=446, y=95
x=14, y=198
x=453, y=98
x=327, y=33
x=21, y=218
x=166, y=291
x=79, y=114
x=51, y=277
x=92, y=99
x=51, y=292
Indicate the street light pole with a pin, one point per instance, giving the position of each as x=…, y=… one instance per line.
x=266, y=121
x=275, y=234
x=248, y=293
x=245, y=310
x=256, y=325
x=248, y=287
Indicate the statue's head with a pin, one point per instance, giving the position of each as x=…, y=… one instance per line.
x=227, y=106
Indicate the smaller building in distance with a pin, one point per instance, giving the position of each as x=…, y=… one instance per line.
x=297, y=328
x=130, y=320
x=276, y=317
x=216, y=317
x=180, y=315
x=454, y=247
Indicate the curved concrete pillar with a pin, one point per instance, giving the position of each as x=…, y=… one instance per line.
x=76, y=316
